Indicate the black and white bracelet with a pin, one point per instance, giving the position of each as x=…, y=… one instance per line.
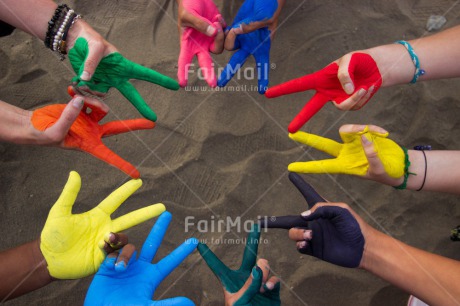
x=58, y=27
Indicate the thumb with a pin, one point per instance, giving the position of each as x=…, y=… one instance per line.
x=68, y=116
x=251, y=287
x=95, y=55
x=343, y=74
x=375, y=164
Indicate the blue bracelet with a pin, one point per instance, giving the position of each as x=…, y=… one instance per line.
x=414, y=57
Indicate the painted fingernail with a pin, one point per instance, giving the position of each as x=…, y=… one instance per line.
x=101, y=244
x=361, y=92
x=85, y=76
x=78, y=102
x=349, y=88
x=238, y=30
x=254, y=272
x=120, y=266
x=306, y=213
x=307, y=234
x=210, y=30
x=269, y=285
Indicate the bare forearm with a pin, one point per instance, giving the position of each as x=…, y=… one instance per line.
x=441, y=171
x=438, y=55
x=23, y=270
x=31, y=16
x=15, y=124
x=430, y=277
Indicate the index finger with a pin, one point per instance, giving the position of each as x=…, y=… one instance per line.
x=137, y=217
x=215, y=264
x=251, y=249
x=308, y=192
x=322, y=144
x=146, y=74
x=130, y=92
x=155, y=237
x=284, y=222
x=117, y=197
x=310, y=109
x=170, y=262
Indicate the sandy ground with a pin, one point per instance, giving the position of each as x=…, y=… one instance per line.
x=225, y=154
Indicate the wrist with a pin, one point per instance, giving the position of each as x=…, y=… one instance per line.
x=372, y=250
x=74, y=33
x=394, y=63
x=416, y=168
x=40, y=263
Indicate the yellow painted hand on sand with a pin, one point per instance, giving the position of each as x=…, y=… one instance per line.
x=72, y=243
x=350, y=156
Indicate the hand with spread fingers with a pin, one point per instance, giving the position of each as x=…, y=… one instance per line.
x=366, y=152
x=114, y=70
x=125, y=279
x=73, y=244
x=333, y=232
x=363, y=72
x=201, y=32
x=327, y=231
x=85, y=133
x=251, y=34
x=250, y=284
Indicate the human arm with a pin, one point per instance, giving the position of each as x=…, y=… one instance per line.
x=333, y=232
x=369, y=154
x=69, y=127
x=430, y=277
x=70, y=246
x=17, y=127
x=24, y=268
x=33, y=16
x=438, y=56
x=200, y=32
x=64, y=234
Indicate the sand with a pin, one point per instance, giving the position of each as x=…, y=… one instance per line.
x=225, y=154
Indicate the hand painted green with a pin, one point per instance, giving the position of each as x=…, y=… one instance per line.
x=233, y=280
x=115, y=70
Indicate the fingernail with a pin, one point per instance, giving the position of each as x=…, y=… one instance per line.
x=307, y=234
x=254, y=272
x=78, y=102
x=210, y=30
x=361, y=92
x=85, y=76
x=269, y=285
x=301, y=244
x=101, y=244
x=238, y=30
x=306, y=213
x=349, y=88
x=365, y=140
x=120, y=266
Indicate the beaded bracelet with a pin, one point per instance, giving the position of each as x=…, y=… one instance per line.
x=415, y=60
x=406, y=171
x=58, y=27
x=54, y=23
